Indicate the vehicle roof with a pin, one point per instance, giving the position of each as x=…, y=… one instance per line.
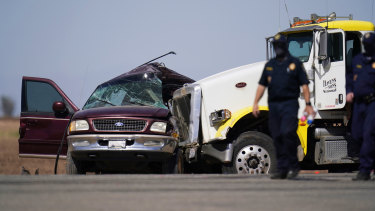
x=166, y=75
x=171, y=80
x=346, y=25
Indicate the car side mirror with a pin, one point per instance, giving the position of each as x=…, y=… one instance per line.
x=59, y=107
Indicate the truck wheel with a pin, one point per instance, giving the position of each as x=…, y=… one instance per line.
x=175, y=164
x=253, y=153
x=73, y=166
x=180, y=163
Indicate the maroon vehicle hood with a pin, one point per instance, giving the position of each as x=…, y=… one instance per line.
x=123, y=111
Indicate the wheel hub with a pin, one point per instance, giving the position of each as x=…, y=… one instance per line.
x=253, y=159
x=253, y=162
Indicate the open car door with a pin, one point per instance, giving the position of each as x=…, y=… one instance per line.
x=45, y=114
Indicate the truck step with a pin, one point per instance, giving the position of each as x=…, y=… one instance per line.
x=332, y=150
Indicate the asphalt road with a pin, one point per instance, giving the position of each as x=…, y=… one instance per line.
x=185, y=192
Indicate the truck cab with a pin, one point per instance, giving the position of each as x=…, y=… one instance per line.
x=123, y=127
x=214, y=115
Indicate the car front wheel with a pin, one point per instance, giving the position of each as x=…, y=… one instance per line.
x=73, y=166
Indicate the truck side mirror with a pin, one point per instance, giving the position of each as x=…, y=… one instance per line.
x=59, y=107
x=323, y=45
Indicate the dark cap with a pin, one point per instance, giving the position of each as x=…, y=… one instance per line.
x=369, y=38
x=279, y=38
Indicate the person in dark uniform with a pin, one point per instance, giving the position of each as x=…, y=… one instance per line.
x=361, y=90
x=283, y=76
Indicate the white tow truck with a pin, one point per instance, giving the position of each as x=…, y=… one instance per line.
x=214, y=115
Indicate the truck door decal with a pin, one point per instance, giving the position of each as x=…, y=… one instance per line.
x=329, y=85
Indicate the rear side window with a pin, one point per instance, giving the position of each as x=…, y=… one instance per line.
x=39, y=97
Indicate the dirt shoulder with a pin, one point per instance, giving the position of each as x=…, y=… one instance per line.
x=10, y=163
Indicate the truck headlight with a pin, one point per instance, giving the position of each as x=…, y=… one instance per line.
x=78, y=125
x=159, y=127
x=220, y=116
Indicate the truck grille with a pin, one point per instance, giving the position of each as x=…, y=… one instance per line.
x=182, y=109
x=119, y=124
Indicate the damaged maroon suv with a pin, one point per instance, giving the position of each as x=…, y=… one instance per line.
x=123, y=127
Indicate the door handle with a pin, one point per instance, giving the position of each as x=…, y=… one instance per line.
x=31, y=122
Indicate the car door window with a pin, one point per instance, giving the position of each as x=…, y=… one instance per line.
x=353, y=47
x=40, y=97
x=335, y=47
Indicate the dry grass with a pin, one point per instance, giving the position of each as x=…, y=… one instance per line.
x=10, y=163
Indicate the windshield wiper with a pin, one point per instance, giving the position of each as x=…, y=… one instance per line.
x=104, y=101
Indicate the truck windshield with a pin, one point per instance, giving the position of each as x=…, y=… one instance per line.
x=143, y=89
x=299, y=45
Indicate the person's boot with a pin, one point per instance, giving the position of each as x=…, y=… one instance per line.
x=362, y=176
x=279, y=175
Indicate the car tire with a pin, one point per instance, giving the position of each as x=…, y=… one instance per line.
x=253, y=153
x=73, y=166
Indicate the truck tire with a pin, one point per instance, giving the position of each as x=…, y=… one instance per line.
x=73, y=166
x=174, y=165
x=253, y=153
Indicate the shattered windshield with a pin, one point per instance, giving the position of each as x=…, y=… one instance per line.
x=141, y=89
x=299, y=45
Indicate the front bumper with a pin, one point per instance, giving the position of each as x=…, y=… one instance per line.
x=96, y=147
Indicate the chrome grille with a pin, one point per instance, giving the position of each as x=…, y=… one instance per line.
x=119, y=124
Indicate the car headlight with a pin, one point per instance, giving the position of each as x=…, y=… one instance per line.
x=160, y=127
x=78, y=125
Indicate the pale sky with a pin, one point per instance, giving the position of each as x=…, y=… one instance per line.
x=82, y=43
